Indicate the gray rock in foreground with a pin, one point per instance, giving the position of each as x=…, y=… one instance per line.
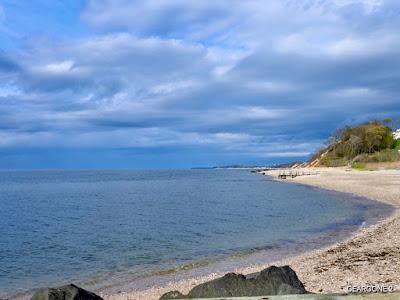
x=173, y=295
x=271, y=281
x=67, y=292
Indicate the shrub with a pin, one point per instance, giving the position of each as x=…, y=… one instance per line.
x=396, y=144
x=334, y=162
x=369, y=142
x=387, y=155
x=358, y=165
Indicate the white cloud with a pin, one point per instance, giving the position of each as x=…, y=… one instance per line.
x=286, y=154
x=271, y=86
x=369, y=6
x=256, y=112
x=355, y=92
x=9, y=90
x=171, y=87
x=58, y=67
x=378, y=43
x=231, y=75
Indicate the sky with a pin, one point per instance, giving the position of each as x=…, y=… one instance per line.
x=186, y=83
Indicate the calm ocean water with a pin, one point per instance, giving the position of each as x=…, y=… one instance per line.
x=103, y=226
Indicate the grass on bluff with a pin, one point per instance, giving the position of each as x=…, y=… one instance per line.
x=370, y=142
x=359, y=165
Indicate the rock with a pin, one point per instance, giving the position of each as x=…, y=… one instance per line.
x=271, y=281
x=173, y=295
x=229, y=285
x=67, y=292
x=280, y=281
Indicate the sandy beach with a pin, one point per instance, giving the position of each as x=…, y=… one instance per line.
x=370, y=257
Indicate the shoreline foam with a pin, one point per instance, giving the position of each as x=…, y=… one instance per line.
x=335, y=267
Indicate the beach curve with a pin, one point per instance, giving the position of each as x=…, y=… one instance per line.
x=370, y=256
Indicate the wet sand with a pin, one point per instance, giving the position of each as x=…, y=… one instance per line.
x=370, y=257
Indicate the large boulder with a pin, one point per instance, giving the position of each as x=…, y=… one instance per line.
x=67, y=292
x=271, y=281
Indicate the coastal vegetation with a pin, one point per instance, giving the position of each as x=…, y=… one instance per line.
x=369, y=142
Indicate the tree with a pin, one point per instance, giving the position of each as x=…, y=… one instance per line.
x=367, y=138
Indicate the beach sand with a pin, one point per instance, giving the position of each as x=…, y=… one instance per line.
x=370, y=257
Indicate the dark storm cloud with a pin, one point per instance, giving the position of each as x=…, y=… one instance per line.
x=241, y=77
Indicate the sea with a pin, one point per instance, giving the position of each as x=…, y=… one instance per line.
x=115, y=230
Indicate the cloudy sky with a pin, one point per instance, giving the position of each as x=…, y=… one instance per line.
x=184, y=83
